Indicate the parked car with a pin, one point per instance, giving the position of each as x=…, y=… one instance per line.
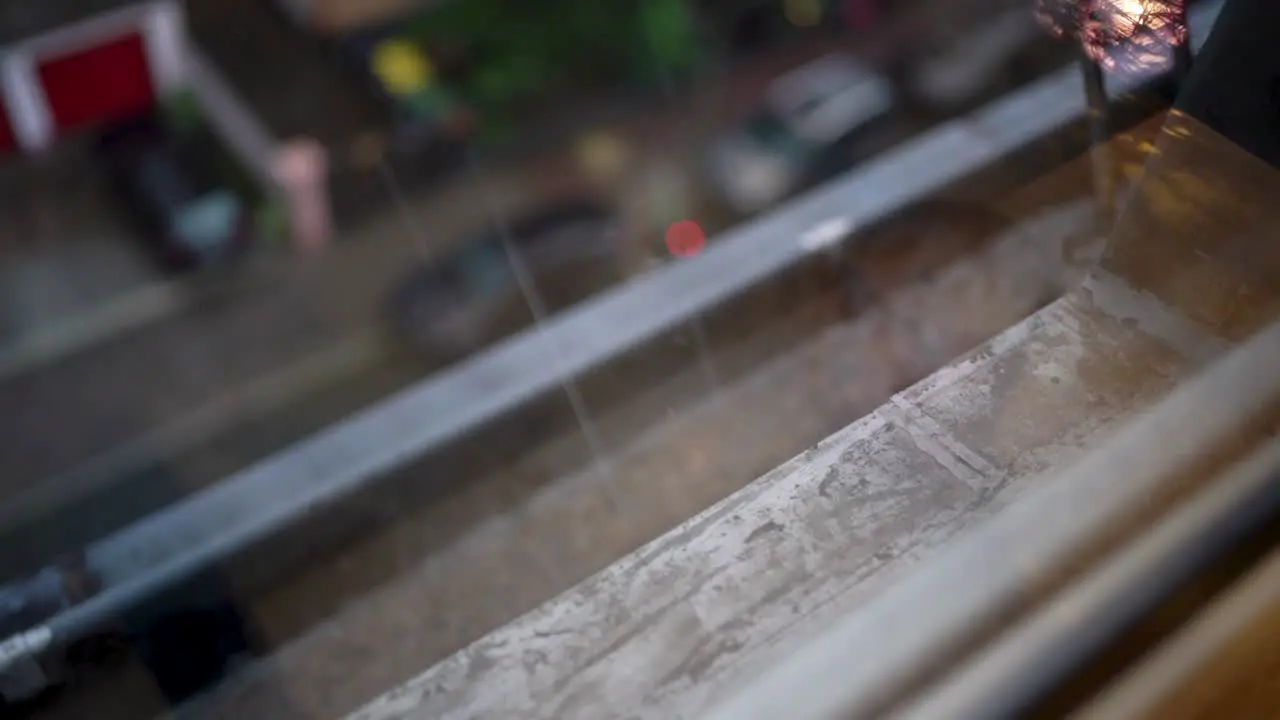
x=474, y=295
x=962, y=65
x=814, y=122
x=188, y=216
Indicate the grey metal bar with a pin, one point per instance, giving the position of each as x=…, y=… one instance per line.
x=173, y=544
x=1005, y=680
x=1228, y=640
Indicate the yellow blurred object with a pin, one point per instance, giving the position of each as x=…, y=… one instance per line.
x=402, y=66
x=804, y=13
x=602, y=154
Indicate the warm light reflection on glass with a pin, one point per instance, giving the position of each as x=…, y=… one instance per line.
x=1130, y=35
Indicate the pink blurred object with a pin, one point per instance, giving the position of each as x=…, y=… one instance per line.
x=302, y=168
x=861, y=14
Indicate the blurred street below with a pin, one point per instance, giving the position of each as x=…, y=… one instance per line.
x=292, y=312
x=205, y=377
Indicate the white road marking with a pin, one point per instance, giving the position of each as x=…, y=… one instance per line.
x=826, y=233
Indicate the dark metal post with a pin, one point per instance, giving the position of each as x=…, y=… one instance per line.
x=1182, y=56
x=1095, y=90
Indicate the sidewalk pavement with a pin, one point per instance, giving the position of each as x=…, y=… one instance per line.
x=65, y=249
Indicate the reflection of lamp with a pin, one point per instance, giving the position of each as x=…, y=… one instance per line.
x=1136, y=35
x=1117, y=34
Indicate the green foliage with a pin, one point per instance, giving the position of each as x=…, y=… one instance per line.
x=519, y=49
x=182, y=113
x=271, y=220
x=668, y=28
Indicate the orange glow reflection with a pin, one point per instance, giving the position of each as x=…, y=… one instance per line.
x=1119, y=34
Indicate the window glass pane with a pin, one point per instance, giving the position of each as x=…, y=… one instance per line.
x=284, y=428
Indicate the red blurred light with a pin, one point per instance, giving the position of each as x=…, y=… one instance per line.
x=685, y=238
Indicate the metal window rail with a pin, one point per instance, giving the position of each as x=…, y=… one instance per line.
x=1185, y=675
x=1010, y=677
x=172, y=545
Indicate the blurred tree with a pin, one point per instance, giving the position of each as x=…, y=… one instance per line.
x=517, y=50
x=671, y=44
